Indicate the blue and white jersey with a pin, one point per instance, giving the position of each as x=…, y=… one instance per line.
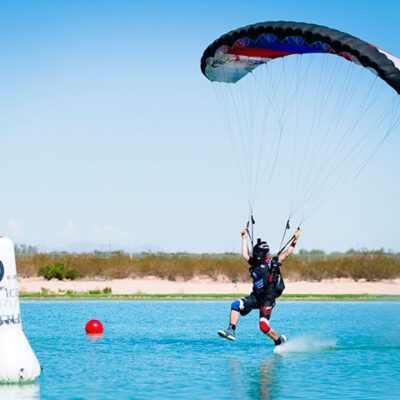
x=267, y=278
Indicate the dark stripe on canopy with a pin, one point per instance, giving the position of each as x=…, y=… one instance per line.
x=368, y=55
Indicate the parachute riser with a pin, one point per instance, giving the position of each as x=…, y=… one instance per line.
x=250, y=229
x=288, y=242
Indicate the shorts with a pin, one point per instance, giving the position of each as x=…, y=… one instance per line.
x=252, y=302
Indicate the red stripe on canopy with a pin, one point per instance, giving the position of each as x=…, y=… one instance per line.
x=254, y=52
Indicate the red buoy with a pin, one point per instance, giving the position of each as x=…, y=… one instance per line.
x=94, y=327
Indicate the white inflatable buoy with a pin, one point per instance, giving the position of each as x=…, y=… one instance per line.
x=18, y=362
x=29, y=391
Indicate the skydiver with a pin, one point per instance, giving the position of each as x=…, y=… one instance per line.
x=267, y=286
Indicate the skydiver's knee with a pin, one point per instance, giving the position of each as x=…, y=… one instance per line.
x=237, y=305
x=264, y=325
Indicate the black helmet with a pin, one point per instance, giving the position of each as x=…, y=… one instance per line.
x=260, y=251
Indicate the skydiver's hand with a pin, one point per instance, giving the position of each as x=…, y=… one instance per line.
x=297, y=234
x=244, y=233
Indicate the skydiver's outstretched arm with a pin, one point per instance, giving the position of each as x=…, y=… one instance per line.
x=289, y=251
x=245, y=249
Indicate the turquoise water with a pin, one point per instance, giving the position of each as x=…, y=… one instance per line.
x=170, y=350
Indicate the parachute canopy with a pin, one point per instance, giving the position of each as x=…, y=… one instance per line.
x=238, y=52
x=307, y=124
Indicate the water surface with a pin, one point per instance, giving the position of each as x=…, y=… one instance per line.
x=170, y=350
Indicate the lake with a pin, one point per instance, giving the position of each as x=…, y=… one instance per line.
x=171, y=350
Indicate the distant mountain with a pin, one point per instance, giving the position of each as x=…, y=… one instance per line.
x=89, y=247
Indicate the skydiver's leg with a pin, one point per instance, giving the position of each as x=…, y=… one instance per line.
x=234, y=319
x=265, y=315
x=238, y=307
x=273, y=335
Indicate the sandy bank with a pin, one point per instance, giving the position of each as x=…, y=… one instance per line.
x=152, y=285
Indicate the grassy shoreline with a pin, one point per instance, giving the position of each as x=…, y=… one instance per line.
x=194, y=297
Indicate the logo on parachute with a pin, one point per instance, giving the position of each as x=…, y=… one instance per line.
x=1, y=271
x=221, y=59
x=251, y=62
x=227, y=59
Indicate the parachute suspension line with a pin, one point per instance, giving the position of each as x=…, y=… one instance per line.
x=351, y=129
x=241, y=131
x=238, y=134
x=305, y=83
x=345, y=163
x=332, y=162
x=322, y=105
x=285, y=109
x=295, y=177
x=256, y=149
x=263, y=134
x=335, y=188
x=288, y=100
x=330, y=153
x=246, y=139
x=394, y=125
x=246, y=133
x=275, y=159
x=313, y=121
x=223, y=101
x=253, y=140
x=264, y=95
x=317, y=152
x=310, y=137
x=270, y=90
x=296, y=126
x=372, y=128
x=244, y=111
x=244, y=107
x=267, y=90
x=342, y=180
x=315, y=128
x=393, y=111
x=265, y=131
x=282, y=124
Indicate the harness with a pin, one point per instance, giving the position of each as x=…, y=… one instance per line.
x=267, y=278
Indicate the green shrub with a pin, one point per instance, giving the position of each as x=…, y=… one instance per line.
x=59, y=271
x=72, y=274
x=107, y=290
x=94, y=291
x=44, y=290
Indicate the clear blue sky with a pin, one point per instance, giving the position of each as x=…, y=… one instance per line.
x=111, y=133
